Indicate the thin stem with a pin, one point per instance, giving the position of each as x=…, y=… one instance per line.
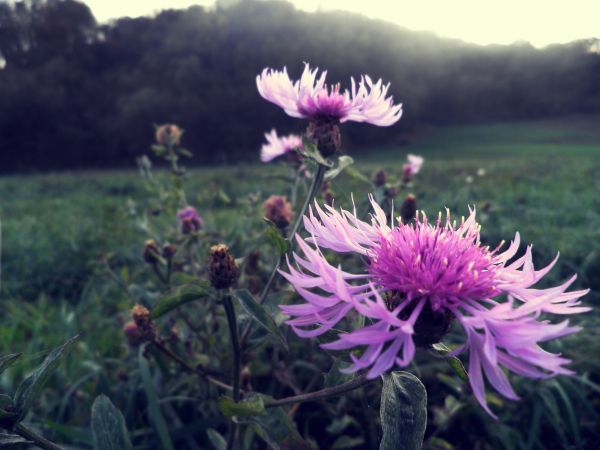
x=187, y=366
x=236, y=370
x=32, y=436
x=323, y=393
x=314, y=188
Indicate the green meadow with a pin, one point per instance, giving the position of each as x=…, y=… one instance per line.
x=71, y=250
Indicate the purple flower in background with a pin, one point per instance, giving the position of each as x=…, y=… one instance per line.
x=189, y=220
x=277, y=146
x=412, y=166
x=310, y=98
x=417, y=279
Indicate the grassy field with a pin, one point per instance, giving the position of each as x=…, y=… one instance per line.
x=61, y=231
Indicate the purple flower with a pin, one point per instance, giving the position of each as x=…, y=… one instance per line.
x=277, y=146
x=416, y=280
x=189, y=220
x=311, y=98
x=412, y=166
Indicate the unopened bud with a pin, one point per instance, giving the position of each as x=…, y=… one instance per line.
x=391, y=192
x=278, y=210
x=222, y=269
x=168, y=134
x=140, y=315
x=146, y=329
x=168, y=251
x=380, y=178
x=132, y=333
x=189, y=220
x=326, y=134
x=408, y=210
x=151, y=251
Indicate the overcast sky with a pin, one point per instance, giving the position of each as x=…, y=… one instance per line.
x=540, y=22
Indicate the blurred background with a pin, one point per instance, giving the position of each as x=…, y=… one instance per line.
x=502, y=99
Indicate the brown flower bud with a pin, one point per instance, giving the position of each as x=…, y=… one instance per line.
x=132, y=333
x=168, y=251
x=326, y=134
x=140, y=315
x=168, y=134
x=146, y=329
x=380, y=178
x=151, y=251
x=222, y=269
x=408, y=210
x=278, y=210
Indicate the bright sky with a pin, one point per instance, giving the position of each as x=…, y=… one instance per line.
x=540, y=22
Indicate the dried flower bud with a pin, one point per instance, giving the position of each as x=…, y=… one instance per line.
x=326, y=134
x=140, y=315
x=408, y=210
x=222, y=269
x=151, y=251
x=168, y=134
x=146, y=329
x=380, y=178
x=168, y=251
x=132, y=333
x=278, y=210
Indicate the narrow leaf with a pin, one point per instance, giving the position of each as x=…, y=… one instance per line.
x=403, y=412
x=9, y=441
x=453, y=361
x=343, y=163
x=31, y=387
x=216, y=439
x=108, y=426
x=180, y=296
x=154, y=411
x=8, y=360
x=251, y=406
x=312, y=152
x=258, y=313
x=276, y=239
x=6, y=407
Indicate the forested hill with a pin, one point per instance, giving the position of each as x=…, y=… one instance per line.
x=75, y=93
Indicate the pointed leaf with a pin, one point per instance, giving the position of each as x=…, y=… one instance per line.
x=276, y=239
x=403, y=412
x=180, y=296
x=343, y=163
x=108, y=426
x=31, y=387
x=250, y=406
x=311, y=151
x=259, y=314
x=216, y=439
x=9, y=441
x=8, y=360
x=454, y=362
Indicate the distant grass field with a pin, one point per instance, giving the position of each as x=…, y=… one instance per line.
x=540, y=178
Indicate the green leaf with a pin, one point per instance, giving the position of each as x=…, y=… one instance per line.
x=354, y=173
x=180, y=296
x=312, y=152
x=454, y=362
x=30, y=389
x=253, y=405
x=159, y=150
x=8, y=360
x=156, y=417
x=258, y=313
x=216, y=439
x=108, y=426
x=8, y=441
x=6, y=407
x=343, y=163
x=276, y=239
x=184, y=152
x=403, y=412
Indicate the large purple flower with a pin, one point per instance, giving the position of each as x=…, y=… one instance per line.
x=311, y=98
x=417, y=279
x=278, y=146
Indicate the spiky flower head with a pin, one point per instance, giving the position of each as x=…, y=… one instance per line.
x=168, y=134
x=278, y=146
x=223, y=271
x=278, y=210
x=311, y=98
x=417, y=278
x=189, y=220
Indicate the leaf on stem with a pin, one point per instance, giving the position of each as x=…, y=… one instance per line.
x=31, y=387
x=276, y=239
x=180, y=296
x=454, y=362
x=403, y=412
x=10, y=441
x=108, y=426
x=8, y=360
x=252, y=405
x=311, y=152
x=258, y=313
x=343, y=162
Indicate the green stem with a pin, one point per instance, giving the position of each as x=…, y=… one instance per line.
x=40, y=441
x=236, y=370
x=322, y=394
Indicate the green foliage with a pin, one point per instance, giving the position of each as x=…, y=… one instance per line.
x=180, y=296
x=108, y=426
x=403, y=412
x=258, y=313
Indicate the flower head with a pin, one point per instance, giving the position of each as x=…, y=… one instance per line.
x=412, y=166
x=417, y=279
x=189, y=220
x=278, y=210
x=311, y=98
x=168, y=134
x=278, y=146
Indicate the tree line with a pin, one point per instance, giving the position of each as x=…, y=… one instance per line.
x=75, y=93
